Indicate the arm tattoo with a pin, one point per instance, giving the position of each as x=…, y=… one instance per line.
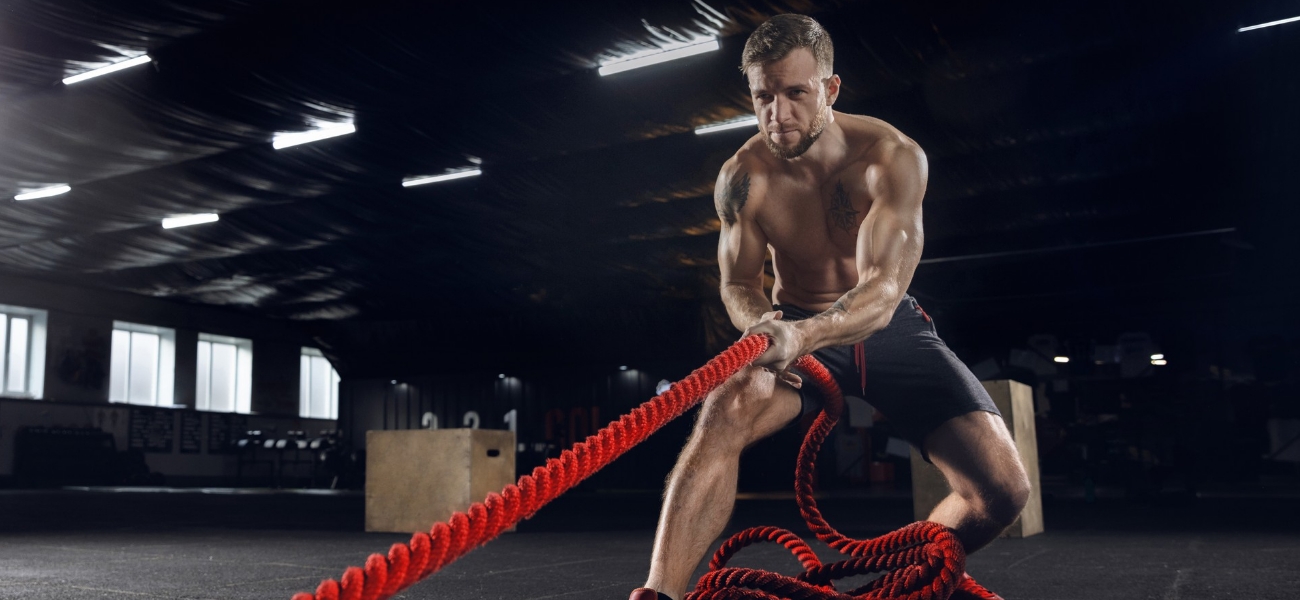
x=731, y=202
x=842, y=214
x=842, y=305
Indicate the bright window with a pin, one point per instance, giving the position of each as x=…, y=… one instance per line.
x=143, y=364
x=225, y=374
x=318, y=387
x=22, y=351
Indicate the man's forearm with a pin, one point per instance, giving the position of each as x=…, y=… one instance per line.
x=745, y=304
x=862, y=311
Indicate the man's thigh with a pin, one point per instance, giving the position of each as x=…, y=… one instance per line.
x=753, y=400
x=976, y=454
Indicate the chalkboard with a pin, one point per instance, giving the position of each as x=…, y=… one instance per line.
x=223, y=429
x=191, y=432
x=151, y=430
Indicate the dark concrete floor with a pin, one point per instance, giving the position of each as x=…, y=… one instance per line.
x=93, y=544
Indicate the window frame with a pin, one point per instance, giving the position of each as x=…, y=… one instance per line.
x=304, y=385
x=243, y=374
x=34, y=370
x=165, y=379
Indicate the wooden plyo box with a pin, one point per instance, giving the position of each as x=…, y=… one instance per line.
x=1016, y=402
x=418, y=477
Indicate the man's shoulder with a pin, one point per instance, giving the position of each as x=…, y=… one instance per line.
x=875, y=140
x=749, y=159
x=746, y=167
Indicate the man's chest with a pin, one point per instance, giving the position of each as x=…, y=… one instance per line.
x=815, y=218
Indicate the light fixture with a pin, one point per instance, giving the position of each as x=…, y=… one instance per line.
x=323, y=131
x=501, y=376
x=448, y=176
x=126, y=64
x=736, y=123
x=1160, y=362
x=623, y=368
x=186, y=220
x=53, y=190
x=1157, y=357
x=646, y=58
x=394, y=382
x=1062, y=359
x=1269, y=24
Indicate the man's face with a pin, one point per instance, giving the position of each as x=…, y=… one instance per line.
x=791, y=102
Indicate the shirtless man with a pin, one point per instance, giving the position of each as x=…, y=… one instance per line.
x=836, y=198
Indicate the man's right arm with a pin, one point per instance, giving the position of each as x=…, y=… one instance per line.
x=742, y=247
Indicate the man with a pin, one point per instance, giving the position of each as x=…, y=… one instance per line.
x=837, y=200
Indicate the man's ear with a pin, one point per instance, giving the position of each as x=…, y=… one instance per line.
x=832, y=89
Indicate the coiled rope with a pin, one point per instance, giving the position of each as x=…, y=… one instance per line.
x=923, y=561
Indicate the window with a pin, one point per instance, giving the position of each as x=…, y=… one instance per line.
x=225, y=374
x=318, y=387
x=22, y=351
x=143, y=364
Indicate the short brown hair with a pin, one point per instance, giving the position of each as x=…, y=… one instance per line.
x=780, y=35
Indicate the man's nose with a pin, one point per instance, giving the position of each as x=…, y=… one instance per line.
x=781, y=110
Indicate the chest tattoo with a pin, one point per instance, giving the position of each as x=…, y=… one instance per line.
x=841, y=211
x=733, y=199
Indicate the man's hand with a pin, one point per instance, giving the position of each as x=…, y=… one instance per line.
x=784, y=347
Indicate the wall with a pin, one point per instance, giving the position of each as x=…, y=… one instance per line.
x=77, y=361
x=203, y=461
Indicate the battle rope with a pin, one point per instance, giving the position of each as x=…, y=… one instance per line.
x=925, y=561
x=922, y=561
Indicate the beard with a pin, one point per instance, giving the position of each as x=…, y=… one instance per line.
x=815, y=130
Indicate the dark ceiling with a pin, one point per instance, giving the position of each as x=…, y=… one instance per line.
x=1085, y=158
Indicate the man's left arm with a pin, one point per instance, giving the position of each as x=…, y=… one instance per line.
x=890, y=239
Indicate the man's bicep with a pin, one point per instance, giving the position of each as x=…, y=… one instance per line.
x=742, y=250
x=892, y=236
x=742, y=247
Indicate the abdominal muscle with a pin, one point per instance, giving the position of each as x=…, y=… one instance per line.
x=813, y=285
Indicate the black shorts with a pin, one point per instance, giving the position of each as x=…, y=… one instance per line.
x=912, y=378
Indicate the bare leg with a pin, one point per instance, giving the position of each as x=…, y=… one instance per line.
x=977, y=456
x=701, y=489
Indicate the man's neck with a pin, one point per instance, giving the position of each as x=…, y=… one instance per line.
x=823, y=156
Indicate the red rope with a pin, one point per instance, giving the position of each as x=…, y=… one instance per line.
x=924, y=561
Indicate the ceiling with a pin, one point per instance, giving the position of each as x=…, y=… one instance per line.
x=1086, y=159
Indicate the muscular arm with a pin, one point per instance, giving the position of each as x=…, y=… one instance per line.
x=742, y=247
x=889, y=247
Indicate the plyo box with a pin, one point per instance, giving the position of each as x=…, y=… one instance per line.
x=418, y=477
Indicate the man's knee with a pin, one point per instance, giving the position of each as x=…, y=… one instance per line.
x=1006, y=497
x=727, y=413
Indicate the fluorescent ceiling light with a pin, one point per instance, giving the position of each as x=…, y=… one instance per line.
x=656, y=56
x=1159, y=363
x=736, y=123
x=184, y=220
x=1269, y=24
x=323, y=131
x=1157, y=357
x=1062, y=359
x=460, y=174
x=44, y=192
x=126, y=64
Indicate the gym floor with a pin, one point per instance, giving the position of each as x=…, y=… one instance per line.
x=230, y=544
